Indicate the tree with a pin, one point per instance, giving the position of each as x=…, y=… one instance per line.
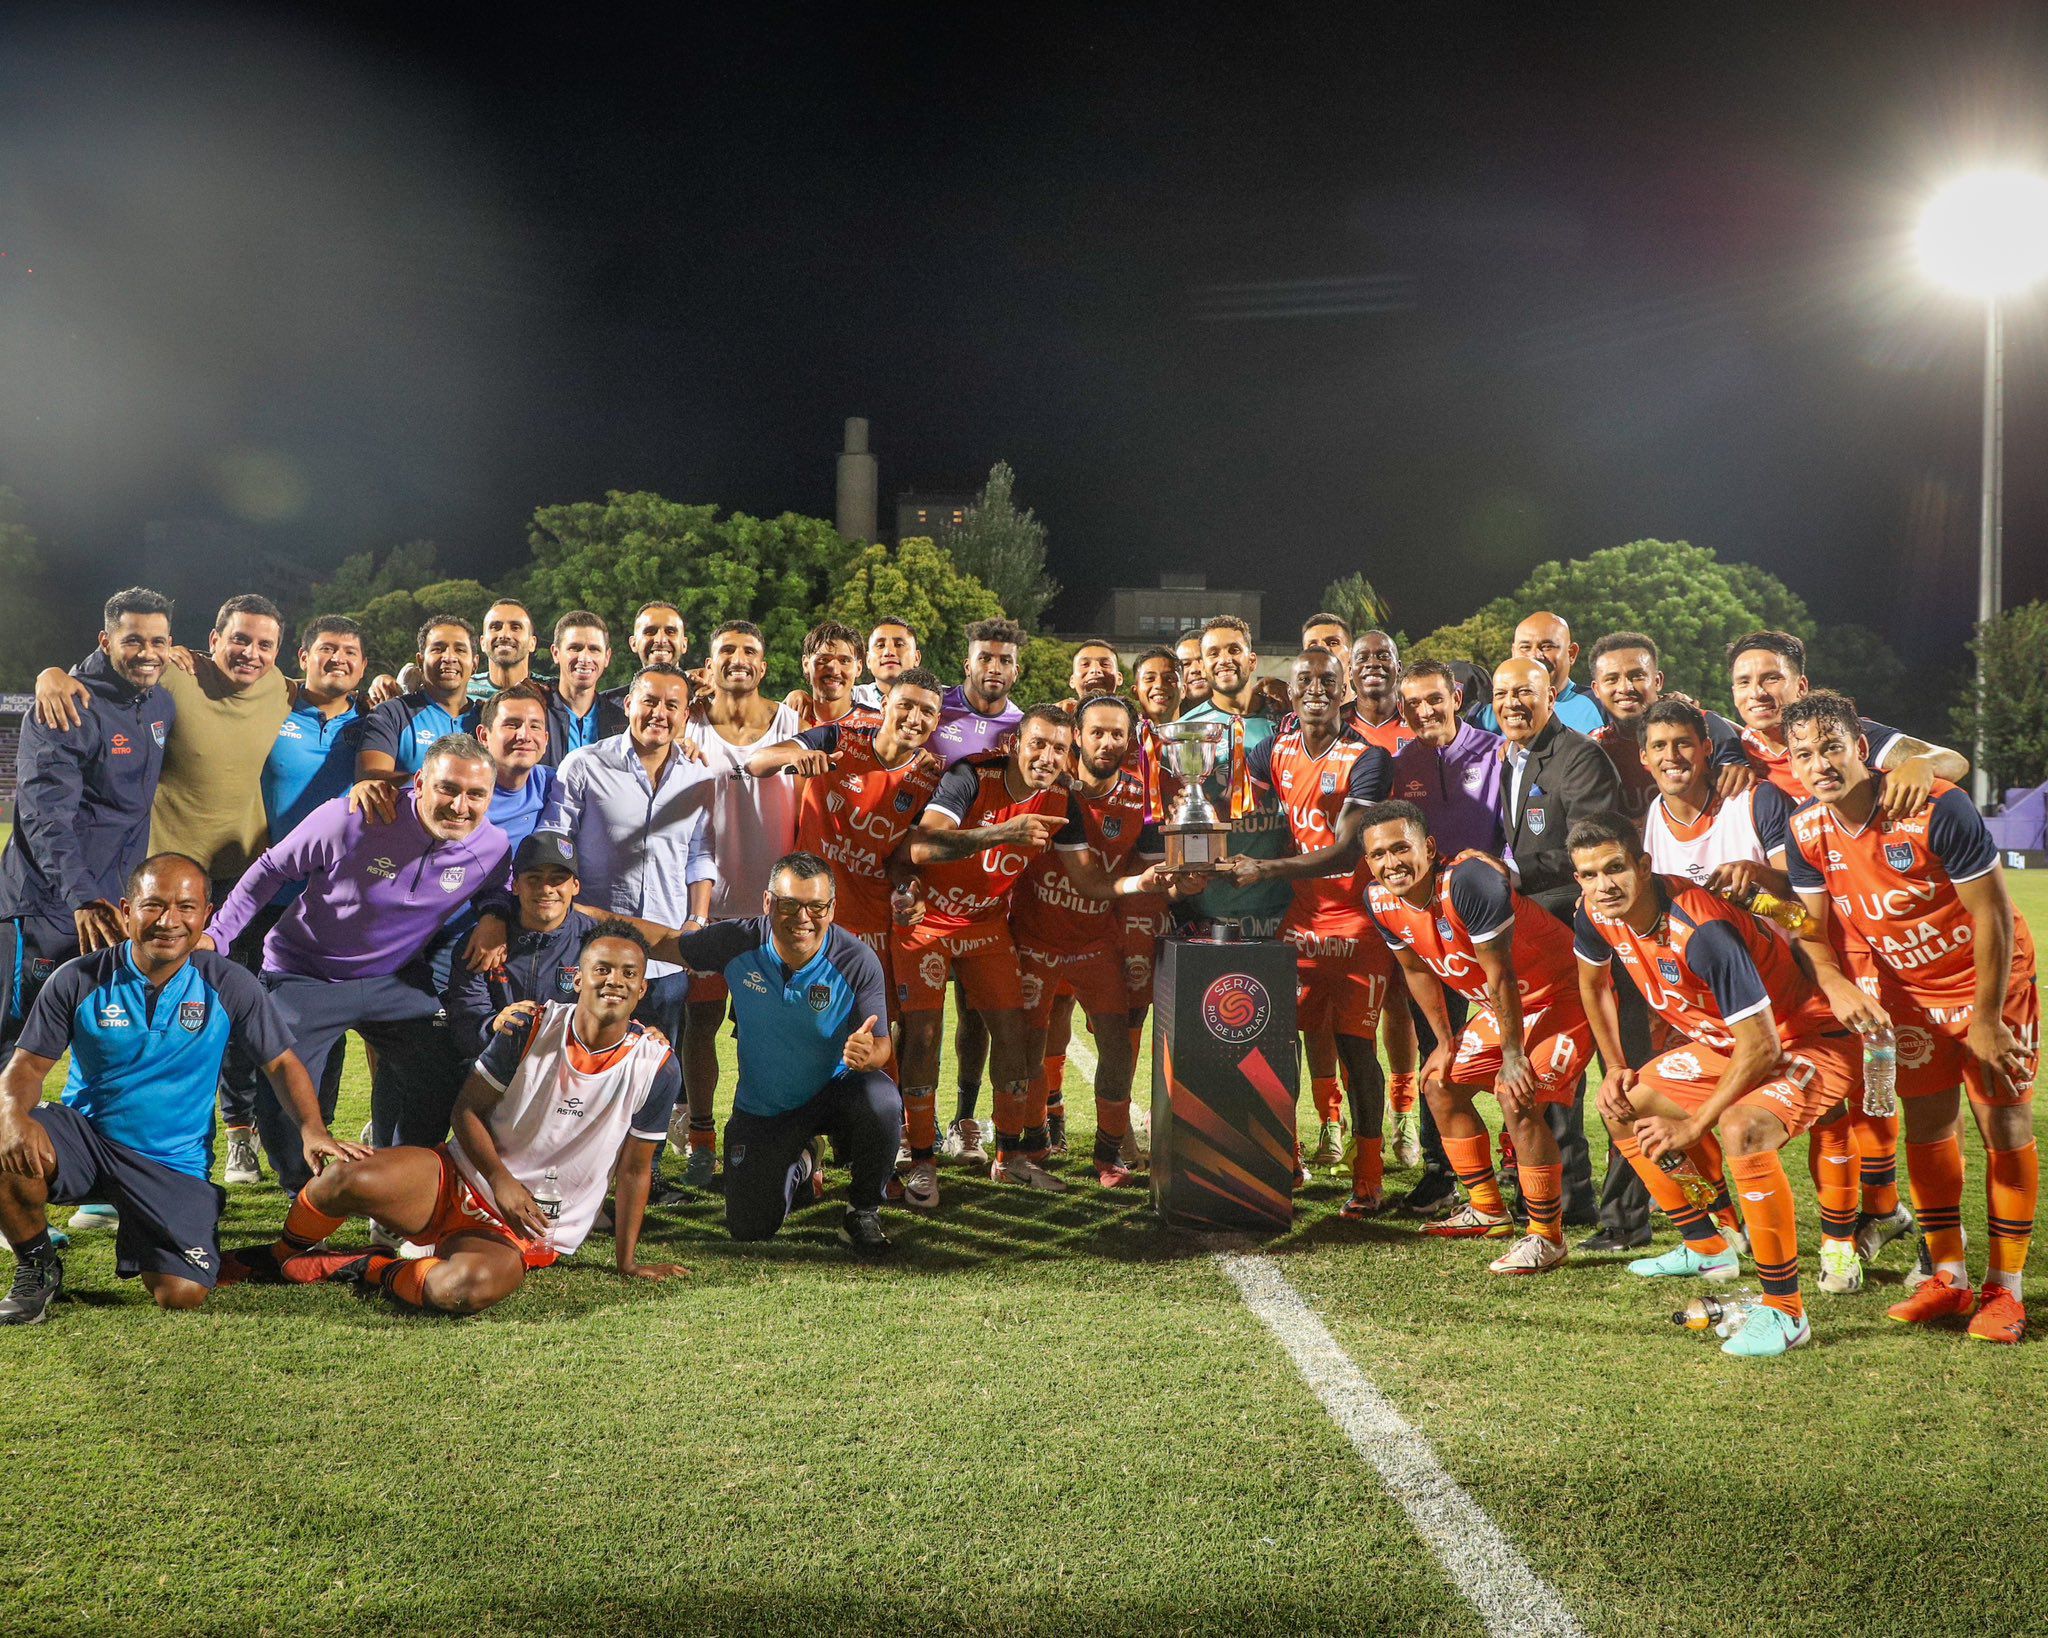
x=917, y=581
x=1045, y=669
x=361, y=577
x=391, y=620
x=1854, y=660
x=27, y=627
x=2015, y=707
x=1004, y=549
x=632, y=548
x=1685, y=597
x=1354, y=601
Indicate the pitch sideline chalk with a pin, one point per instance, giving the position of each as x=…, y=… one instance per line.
x=1482, y=1563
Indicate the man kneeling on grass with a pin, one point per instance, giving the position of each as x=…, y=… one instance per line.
x=543, y=1119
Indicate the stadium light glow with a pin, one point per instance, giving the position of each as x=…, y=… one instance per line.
x=1986, y=234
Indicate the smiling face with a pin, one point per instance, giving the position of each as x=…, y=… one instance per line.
x=508, y=635
x=830, y=671
x=1157, y=685
x=517, y=738
x=1677, y=761
x=1400, y=855
x=611, y=979
x=737, y=663
x=447, y=661
x=1429, y=705
x=245, y=649
x=1227, y=658
x=332, y=663
x=580, y=654
x=1375, y=668
x=1102, y=740
x=1627, y=682
x=655, y=709
x=891, y=648
x=991, y=673
x=659, y=636
x=1194, y=681
x=799, y=910
x=138, y=648
x=1095, y=671
x=1764, y=682
x=1041, y=752
x=1522, y=697
x=1828, y=760
x=909, y=714
x=167, y=912
x=1315, y=688
x=454, y=795
x=546, y=896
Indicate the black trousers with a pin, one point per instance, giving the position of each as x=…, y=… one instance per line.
x=1437, y=1179
x=861, y=1114
x=1623, y=1204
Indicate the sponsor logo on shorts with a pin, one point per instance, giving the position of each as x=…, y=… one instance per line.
x=1235, y=1008
x=1033, y=988
x=451, y=878
x=931, y=970
x=1137, y=972
x=1779, y=1092
x=382, y=867
x=819, y=996
x=197, y=1256
x=192, y=1016
x=1680, y=1066
x=1915, y=1047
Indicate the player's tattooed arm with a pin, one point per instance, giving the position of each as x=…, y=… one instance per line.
x=938, y=839
x=1910, y=767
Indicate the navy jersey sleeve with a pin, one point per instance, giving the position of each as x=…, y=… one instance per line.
x=1959, y=838
x=824, y=737
x=1722, y=962
x=1258, y=760
x=1484, y=901
x=1372, y=775
x=709, y=948
x=252, y=1015
x=650, y=1120
x=956, y=793
x=1879, y=738
x=1592, y=948
x=47, y=1033
x=384, y=730
x=1724, y=743
x=1805, y=874
x=499, y=1060
x=1770, y=811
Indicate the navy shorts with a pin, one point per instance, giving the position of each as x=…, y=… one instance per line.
x=31, y=948
x=170, y=1221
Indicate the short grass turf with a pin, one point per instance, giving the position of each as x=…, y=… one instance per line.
x=1045, y=1414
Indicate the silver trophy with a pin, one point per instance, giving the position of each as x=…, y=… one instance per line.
x=1197, y=836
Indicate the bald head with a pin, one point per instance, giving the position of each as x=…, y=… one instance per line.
x=1547, y=637
x=1522, y=698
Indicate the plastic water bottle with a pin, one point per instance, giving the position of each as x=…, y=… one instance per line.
x=1722, y=1315
x=902, y=901
x=549, y=1195
x=1698, y=1191
x=1880, y=1072
x=1789, y=914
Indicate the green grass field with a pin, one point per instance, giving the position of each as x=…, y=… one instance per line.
x=1047, y=1414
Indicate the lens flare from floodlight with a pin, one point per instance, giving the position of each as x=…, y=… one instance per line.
x=1986, y=235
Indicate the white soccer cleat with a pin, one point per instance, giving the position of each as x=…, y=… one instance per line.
x=1841, y=1270
x=1408, y=1139
x=1532, y=1254
x=1023, y=1170
x=920, y=1180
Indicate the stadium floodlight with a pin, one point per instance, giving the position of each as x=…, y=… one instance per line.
x=1986, y=235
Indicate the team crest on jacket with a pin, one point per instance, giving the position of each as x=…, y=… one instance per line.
x=1899, y=855
x=1667, y=969
x=819, y=996
x=1113, y=826
x=451, y=878
x=156, y=730
x=192, y=1016
x=903, y=801
x=1537, y=819
x=565, y=983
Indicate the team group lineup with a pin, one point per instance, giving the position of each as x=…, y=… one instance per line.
x=537, y=902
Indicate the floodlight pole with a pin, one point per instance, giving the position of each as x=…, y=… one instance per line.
x=1991, y=530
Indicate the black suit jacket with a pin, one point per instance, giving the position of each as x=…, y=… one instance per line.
x=1568, y=778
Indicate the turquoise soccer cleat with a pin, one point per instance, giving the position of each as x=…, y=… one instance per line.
x=1681, y=1262
x=1767, y=1333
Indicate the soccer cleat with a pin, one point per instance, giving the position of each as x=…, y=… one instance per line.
x=862, y=1230
x=1132, y=1154
x=59, y=1239
x=1408, y=1138
x=1873, y=1234
x=1025, y=1171
x=1302, y=1176
x=2000, y=1316
x=37, y=1284
x=1732, y=1232
x=1056, y=1132
x=903, y=1155
x=244, y=1166
x=1940, y=1297
x=963, y=1142
x=1841, y=1270
x=1767, y=1333
x=87, y=1218
x=700, y=1171
x=1604, y=1241
x=921, y=1185
x=1112, y=1174
x=1532, y=1254
x=368, y=1135
x=1361, y=1206
x=1470, y=1223
x=1682, y=1262
x=1329, y=1145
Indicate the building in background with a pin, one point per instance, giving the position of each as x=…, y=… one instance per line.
x=1140, y=616
x=200, y=562
x=859, y=484
x=930, y=513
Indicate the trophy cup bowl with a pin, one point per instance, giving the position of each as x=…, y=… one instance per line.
x=1197, y=837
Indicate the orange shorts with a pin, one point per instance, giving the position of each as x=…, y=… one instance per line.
x=1555, y=1035
x=879, y=943
x=924, y=958
x=1340, y=982
x=1816, y=1074
x=708, y=987
x=459, y=1209
x=1930, y=1038
x=1094, y=977
x=1142, y=931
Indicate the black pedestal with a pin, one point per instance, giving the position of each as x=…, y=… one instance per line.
x=1224, y=1082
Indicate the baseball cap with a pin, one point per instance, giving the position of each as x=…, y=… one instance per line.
x=542, y=849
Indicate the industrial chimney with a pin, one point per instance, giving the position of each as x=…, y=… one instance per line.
x=858, y=483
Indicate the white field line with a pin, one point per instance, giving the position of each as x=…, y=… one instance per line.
x=1481, y=1562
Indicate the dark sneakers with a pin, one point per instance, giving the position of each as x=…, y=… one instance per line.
x=36, y=1286
x=862, y=1230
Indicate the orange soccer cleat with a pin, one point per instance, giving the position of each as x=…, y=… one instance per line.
x=1942, y=1297
x=2000, y=1317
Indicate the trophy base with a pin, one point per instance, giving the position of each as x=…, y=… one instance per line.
x=1195, y=850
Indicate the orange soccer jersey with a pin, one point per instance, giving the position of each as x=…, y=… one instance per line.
x=1389, y=736
x=1313, y=791
x=1473, y=905
x=1774, y=762
x=1707, y=964
x=854, y=815
x=1048, y=912
x=962, y=892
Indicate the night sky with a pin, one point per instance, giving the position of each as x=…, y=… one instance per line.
x=1436, y=291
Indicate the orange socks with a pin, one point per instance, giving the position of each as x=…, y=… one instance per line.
x=406, y=1281
x=1328, y=1094
x=1773, y=1228
x=921, y=1121
x=305, y=1226
x=1055, y=1077
x=1877, y=1149
x=703, y=1134
x=1016, y=1104
x=1832, y=1158
x=1401, y=1091
x=1368, y=1172
x=1934, y=1174
x=1471, y=1159
x=1699, y=1230
x=2013, y=1186
x=1112, y=1120
x=1543, y=1196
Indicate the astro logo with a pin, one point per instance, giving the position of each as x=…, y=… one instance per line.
x=382, y=866
x=1236, y=1008
x=113, y=1016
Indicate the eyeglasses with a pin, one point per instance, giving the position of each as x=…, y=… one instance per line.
x=818, y=910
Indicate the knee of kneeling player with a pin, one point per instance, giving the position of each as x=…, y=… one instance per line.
x=745, y=1222
x=168, y=1291
x=1750, y=1132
